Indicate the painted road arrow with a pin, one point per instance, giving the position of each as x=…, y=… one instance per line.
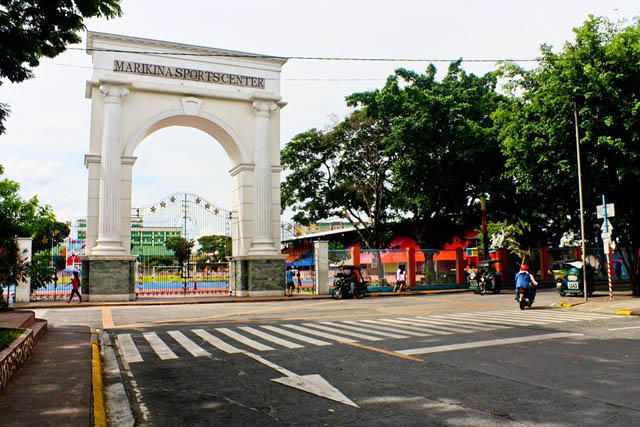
x=313, y=384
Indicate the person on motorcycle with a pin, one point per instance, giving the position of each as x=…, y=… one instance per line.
x=351, y=277
x=524, y=279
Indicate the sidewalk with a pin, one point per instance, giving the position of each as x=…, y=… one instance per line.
x=54, y=387
x=177, y=300
x=623, y=304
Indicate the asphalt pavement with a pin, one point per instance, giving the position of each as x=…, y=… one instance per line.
x=469, y=367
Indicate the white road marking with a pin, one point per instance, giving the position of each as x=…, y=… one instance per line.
x=271, y=338
x=244, y=340
x=477, y=320
x=486, y=343
x=295, y=336
x=129, y=351
x=339, y=331
x=216, y=342
x=366, y=330
x=443, y=325
x=552, y=318
x=493, y=319
x=313, y=384
x=378, y=324
x=575, y=316
x=320, y=334
x=159, y=347
x=416, y=327
x=188, y=345
x=465, y=323
x=628, y=327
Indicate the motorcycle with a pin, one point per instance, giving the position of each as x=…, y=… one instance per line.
x=570, y=279
x=486, y=278
x=344, y=279
x=524, y=298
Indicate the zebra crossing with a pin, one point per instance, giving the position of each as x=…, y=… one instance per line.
x=270, y=337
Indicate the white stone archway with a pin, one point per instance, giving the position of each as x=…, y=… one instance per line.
x=140, y=86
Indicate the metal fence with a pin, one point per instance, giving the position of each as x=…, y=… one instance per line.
x=158, y=276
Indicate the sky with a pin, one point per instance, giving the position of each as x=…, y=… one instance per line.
x=48, y=129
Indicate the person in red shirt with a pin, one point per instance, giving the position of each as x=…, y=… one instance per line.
x=76, y=287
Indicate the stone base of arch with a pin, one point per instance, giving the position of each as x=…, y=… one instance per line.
x=257, y=275
x=108, y=278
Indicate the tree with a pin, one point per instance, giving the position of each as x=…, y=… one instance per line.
x=13, y=266
x=344, y=172
x=445, y=148
x=31, y=29
x=26, y=218
x=219, y=247
x=597, y=76
x=181, y=247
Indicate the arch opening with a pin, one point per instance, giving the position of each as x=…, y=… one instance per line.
x=215, y=127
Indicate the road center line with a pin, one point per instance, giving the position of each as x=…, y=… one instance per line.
x=107, y=318
x=486, y=343
x=387, y=352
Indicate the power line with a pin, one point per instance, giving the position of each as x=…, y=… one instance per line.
x=318, y=58
x=310, y=79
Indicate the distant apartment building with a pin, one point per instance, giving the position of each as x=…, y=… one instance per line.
x=322, y=226
x=144, y=240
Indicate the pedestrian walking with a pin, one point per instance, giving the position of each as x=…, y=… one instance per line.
x=290, y=284
x=75, y=282
x=401, y=279
x=299, y=280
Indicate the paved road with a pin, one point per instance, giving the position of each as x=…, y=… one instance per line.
x=445, y=360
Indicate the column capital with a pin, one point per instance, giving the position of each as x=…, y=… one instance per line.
x=264, y=108
x=113, y=93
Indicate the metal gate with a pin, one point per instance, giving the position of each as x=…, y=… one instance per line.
x=159, y=271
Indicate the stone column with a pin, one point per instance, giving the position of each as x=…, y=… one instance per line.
x=262, y=243
x=23, y=291
x=321, y=260
x=109, y=241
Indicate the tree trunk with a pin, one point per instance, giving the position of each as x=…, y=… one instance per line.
x=381, y=277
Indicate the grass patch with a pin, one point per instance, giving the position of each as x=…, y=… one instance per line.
x=7, y=336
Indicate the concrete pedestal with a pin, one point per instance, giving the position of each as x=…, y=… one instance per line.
x=108, y=278
x=23, y=291
x=257, y=275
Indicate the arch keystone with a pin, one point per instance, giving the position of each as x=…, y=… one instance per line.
x=191, y=105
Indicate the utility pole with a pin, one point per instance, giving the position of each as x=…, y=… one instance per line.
x=584, y=264
x=485, y=232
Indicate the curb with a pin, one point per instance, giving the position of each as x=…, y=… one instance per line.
x=235, y=300
x=99, y=412
x=628, y=313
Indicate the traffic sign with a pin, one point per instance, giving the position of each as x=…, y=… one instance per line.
x=606, y=236
x=611, y=211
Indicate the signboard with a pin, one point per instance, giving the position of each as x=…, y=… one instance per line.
x=610, y=210
x=188, y=74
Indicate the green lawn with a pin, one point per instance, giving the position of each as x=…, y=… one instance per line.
x=7, y=336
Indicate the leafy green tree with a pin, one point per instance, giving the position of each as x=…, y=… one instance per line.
x=48, y=232
x=445, y=149
x=40, y=272
x=13, y=266
x=597, y=76
x=182, y=249
x=344, y=172
x=31, y=29
x=16, y=214
x=217, y=247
